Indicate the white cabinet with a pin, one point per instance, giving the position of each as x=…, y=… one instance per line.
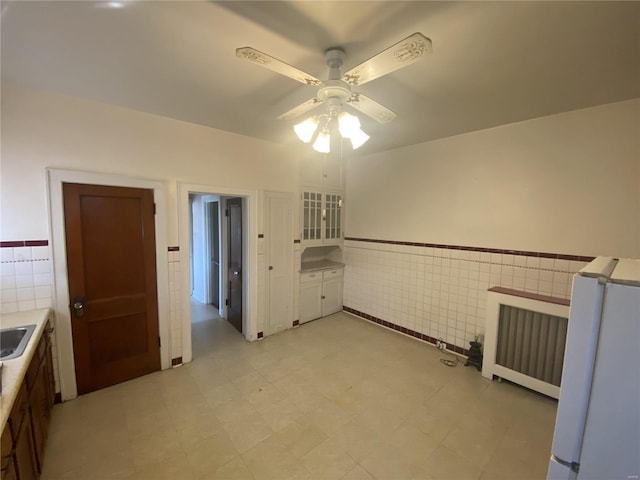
x=322, y=172
x=331, y=291
x=311, y=299
x=332, y=174
x=321, y=217
x=320, y=294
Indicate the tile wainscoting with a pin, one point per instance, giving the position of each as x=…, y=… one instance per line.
x=26, y=281
x=431, y=291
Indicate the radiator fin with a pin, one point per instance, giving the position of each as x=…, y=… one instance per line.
x=531, y=343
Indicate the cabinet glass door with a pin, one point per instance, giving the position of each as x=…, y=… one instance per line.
x=333, y=226
x=312, y=216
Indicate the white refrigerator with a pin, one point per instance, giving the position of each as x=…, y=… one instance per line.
x=597, y=432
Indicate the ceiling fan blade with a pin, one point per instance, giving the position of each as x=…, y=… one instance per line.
x=278, y=66
x=403, y=53
x=300, y=109
x=369, y=107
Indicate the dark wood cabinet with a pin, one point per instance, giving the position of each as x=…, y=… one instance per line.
x=25, y=460
x=19, y=430
x=41, y=394
x=24, y=437
x=8, y=466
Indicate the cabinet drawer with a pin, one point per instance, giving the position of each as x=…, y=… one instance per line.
x=337, y=272
x=310, y=277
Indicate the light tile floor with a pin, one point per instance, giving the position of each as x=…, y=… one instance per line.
x=338, y=398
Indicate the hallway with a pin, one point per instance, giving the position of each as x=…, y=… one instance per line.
x=209, y=331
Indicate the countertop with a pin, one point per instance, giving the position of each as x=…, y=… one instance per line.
x=14, y=370
x=319, y=265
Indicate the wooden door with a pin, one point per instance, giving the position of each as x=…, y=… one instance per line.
x=234, y=263
x=111, y=262
x=214, y=254
x=279, y=239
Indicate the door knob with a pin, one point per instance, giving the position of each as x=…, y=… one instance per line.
x=78, y=306
x=235, y=273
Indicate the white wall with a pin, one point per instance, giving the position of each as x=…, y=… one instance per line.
x=42, y=130
x=567, y=183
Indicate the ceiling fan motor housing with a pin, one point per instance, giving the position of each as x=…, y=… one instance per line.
x=334, y=91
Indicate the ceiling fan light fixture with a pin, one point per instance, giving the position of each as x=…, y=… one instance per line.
x=323, y=142
x=348, y=124
x=358, y=138
x=305, y=130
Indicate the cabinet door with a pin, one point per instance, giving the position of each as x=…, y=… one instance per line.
x=333, y=217
x=311, y=217
x=8, y=467
x=331, y=296
x=50, y=382
x=312, y=170
x=24, y=452
x=310, y=301
x=38, y=406
x=333, y=172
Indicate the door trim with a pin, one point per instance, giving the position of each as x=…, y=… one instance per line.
x=250, y=259
x=64, y=340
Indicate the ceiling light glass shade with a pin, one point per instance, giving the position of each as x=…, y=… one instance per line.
x=305, y=130
x=323, y=142
x=358, y=138
x=348, y=124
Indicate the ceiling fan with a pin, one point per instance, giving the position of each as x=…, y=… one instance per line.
x=337, y=90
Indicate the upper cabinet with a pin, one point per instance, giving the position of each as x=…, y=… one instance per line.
x=321, y=217
x=332, y=174
x=321, y=184
x=322, y=172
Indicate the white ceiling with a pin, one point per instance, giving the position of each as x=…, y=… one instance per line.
x=493, y=62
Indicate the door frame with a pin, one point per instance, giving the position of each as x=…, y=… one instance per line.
x=64, y=339
x=209, y=250
x=250, y=258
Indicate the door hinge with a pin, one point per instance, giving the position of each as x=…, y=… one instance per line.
x=159, y=343
x=154, y=208
x=226, y=302
x=226, y=212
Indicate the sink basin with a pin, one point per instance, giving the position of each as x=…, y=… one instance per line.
x=13, y=341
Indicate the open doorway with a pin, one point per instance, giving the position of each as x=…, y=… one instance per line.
x=216, y=269
x=249, y=278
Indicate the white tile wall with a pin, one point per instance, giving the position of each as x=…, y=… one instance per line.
x=26, y=282
x=442, y=292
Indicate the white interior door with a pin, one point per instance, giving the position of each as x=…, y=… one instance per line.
x=279, y=261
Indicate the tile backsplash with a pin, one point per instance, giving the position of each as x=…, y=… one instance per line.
x=440, y=291
x=25, y=278
x=26, y=281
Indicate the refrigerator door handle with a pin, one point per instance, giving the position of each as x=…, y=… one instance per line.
x=573, y=466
